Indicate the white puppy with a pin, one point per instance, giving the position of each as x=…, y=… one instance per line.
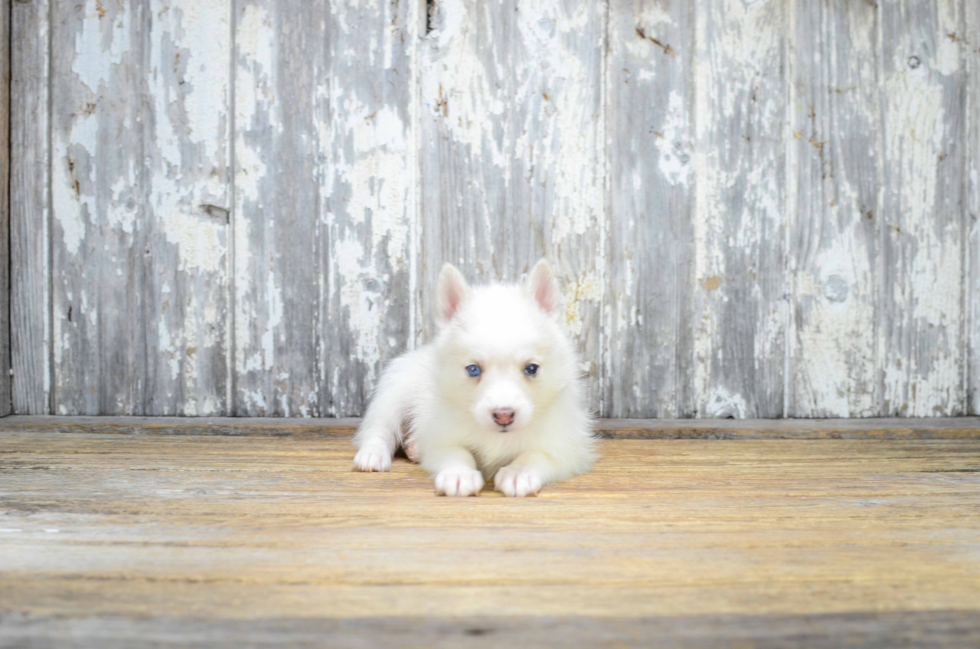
x=495, y=395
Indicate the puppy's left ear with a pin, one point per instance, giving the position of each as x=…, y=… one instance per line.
x=542, y=287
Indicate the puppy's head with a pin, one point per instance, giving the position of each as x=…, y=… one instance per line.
x=502, y=357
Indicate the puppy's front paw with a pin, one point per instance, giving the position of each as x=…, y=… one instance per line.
x=372, y=457
x=459, y=481
x=517, y=481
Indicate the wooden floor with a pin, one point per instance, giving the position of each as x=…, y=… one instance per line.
x=140, y=536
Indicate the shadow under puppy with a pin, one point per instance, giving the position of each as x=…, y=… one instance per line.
x=496, y=395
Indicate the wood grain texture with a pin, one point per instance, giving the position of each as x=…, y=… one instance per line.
x=238, y=207
x=649, y=327
x=187, y=161
x=100, y=216
x=834, y=116
x=369, y=258
x=739, y=216
x=972, y=209
x=278, y=71
x=178, y=535
x=922, y=234
x=140, y=112
x=30, y=333
x=952, y=629
x=325, y=202
x=512, y=151
x=5, y=363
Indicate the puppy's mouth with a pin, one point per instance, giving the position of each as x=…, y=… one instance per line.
x=504, y=429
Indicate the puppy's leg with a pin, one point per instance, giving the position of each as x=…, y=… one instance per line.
x=526, y=474
x=411, y=447
x=455, y=470
x=381, y=431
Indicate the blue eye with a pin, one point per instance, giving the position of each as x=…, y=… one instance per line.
x=473, y=370
x=531, y=369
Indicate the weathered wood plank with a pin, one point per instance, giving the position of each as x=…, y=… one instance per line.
x=183, y=426
x=368, y=257
x=225, y=530
x=972, y=208
x=325, y=206
x=922, y=232
x=832, y=200
x=739, y=217
x=513, y=151
x=30, y=208
x=98, y=193
x=5, y=396
x=789, y=429
x=131, y=246
x=186, y=159
x=649, y=333
x=720, y=429
x=939, y=629
x=278, y=74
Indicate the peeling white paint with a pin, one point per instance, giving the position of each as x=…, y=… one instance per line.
x=189, y=86
x=255, y=109
x=167, y=348
x=464, y=92
x=378, y=176
x=204, y=28
x=201, y=241
x=741, y=44
x=915, y=137
x=722, y=404
x=576, y=292
x=71, y=208
x=101, y=43
x=273, y=295
x=673, y=144
x=524, y=125
x=254, y=40
x=949, y=45
x=360, y=306
x=923, y=362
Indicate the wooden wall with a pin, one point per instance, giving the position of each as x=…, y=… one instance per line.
x=760, y=209
x=5, y=397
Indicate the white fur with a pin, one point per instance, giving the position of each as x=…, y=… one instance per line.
x=428, y=403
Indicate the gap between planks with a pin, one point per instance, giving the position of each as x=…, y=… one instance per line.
x=731, y=429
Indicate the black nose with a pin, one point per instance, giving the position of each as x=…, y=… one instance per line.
x=504, y=416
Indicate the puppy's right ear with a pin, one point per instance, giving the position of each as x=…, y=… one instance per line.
x=451, y=291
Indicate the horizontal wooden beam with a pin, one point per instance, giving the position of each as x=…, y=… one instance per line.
x=937, y=428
